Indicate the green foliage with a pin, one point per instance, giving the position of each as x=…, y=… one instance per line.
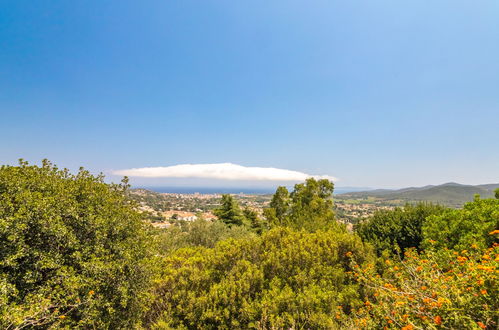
x=257, y=224
x=198, y=233
x=74, y=253
x=457, y=229
x=282, y=279
x=72, y=250
x=229, y=212
x=496, y=193
x=397, y=229
x=309, y=206
x=280, y=203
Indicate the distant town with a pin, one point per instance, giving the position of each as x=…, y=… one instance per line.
x=164, y=209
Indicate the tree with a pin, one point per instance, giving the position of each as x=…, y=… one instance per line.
x=312, y=204
x=229, y=212
x=254, y=221
x=458, y=229
x=396, y=229
x=497, y=193
x=280, y=203
x=72, y=250
x=309, y=206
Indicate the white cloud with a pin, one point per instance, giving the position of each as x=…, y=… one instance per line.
x=222, y=171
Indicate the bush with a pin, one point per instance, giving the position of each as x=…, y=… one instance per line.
x=72, y=250
x=198, y=233
x=437, y=289
x=282, y=279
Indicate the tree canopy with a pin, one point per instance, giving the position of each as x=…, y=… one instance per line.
x=72, y=250
x=308, y=206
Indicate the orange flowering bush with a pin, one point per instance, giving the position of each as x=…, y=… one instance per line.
x=434, y=289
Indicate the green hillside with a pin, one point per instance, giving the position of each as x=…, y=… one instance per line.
x=450, y=194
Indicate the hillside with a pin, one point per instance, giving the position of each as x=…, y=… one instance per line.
x=450, y=194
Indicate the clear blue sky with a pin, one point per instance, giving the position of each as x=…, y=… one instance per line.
x=376, y=93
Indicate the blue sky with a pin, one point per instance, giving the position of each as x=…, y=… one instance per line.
x=375, y=93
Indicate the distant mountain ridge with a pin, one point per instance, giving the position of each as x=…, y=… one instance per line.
x=450, y=194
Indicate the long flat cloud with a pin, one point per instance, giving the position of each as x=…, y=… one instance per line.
x=222, y=171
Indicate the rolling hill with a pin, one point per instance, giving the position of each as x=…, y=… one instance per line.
x=450, y=194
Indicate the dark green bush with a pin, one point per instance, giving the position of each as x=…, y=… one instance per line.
x=401, y=228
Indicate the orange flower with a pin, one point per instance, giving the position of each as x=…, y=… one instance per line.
x=91, y=292
x=481, y=325
x=483, y=291
x=62, y=316
x=348, y=254
x=408, y=327
x=494, y=232
x=419, y=268
x=424, y=287
x=438, y=320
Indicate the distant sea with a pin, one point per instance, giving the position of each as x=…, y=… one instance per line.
x=211, y=190
x=236, y=190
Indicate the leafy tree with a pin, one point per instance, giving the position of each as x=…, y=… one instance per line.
x=497, y=193
x=309, y=206
x=281, y=204
x=280, y=280
x=72, y=250
x=312, y=205
x=229, y=212
x=255, y=222
x=396, y=229
x=458, y=229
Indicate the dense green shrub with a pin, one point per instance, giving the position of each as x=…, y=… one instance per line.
x=282, y=279
x=72, y=250
x=198, y=233
x=457, y=229
x=401, y=228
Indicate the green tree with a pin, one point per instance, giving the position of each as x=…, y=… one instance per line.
x=256, y=223
x=229, y=211
x=312, y=205
x=497, y=193
x=396, y=229
x=458, y=229
x=309, y=206
x=72, y=250
x=281, y=204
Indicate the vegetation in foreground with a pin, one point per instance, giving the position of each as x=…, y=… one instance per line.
x=75, y=253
